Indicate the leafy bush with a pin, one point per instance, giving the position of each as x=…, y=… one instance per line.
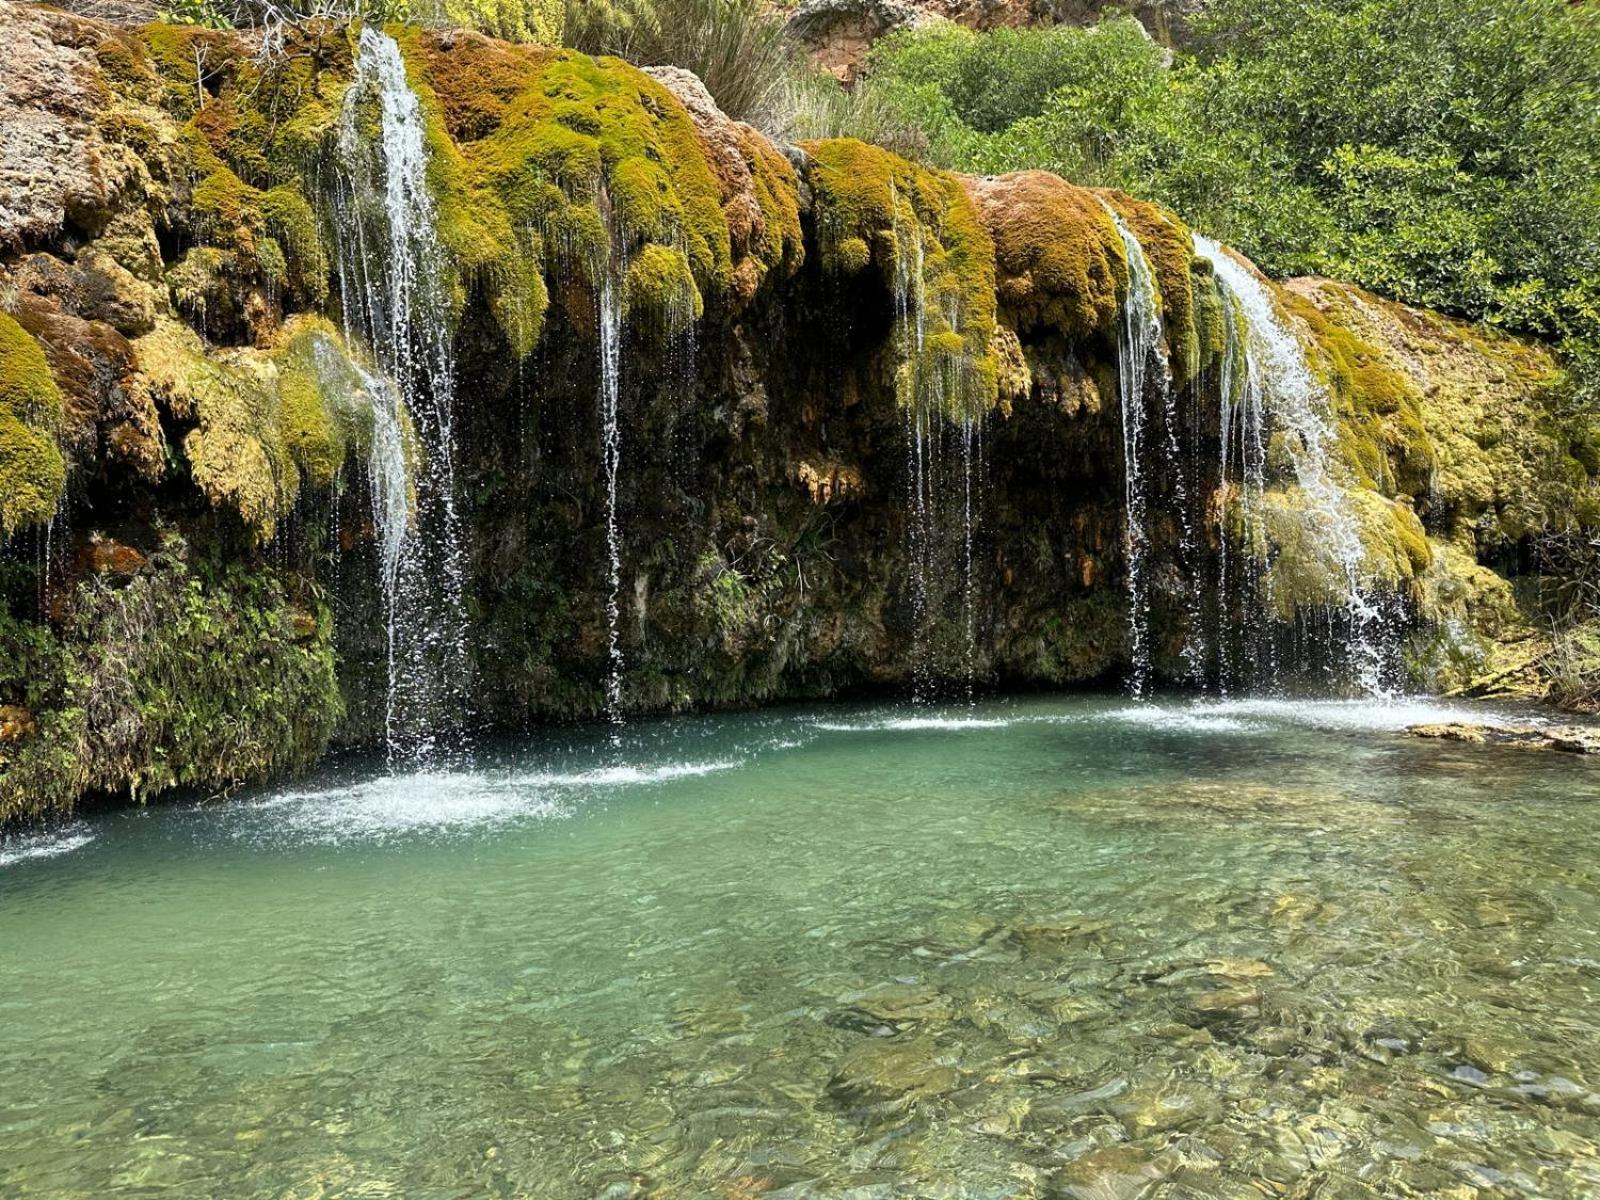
x=1446, y=155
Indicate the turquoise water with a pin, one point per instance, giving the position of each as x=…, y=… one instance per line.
x=1042, y=947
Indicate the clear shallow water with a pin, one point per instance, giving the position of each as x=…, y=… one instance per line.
x=1045, y=947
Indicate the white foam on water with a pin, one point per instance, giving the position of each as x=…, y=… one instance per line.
x=1181, y=720
x=1360, y=716
x=452, y=801
x=18, y=848
x=913, y=724
x=612, y=776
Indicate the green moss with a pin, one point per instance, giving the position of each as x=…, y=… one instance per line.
x=660, y=289
x=905, y=217
x=288, y=217
x=1301, y=574
x=189, y=676
x=582, y=133
x=1379, y=408
x=1170, y=248
x=1060, y=260
x=323, y=413
x=33, y=473
x=780, y=243
x=203, y=281
x=184, y=59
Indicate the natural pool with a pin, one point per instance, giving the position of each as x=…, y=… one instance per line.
x=1039, y=947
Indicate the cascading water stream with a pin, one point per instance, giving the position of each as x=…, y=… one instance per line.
x=390, y=487
x=1297, y=401
x=1243, y=438
x=1138, y=346
x=394, y=292
x=971, y=448
x=921, y=437
x=609, y=324
x=1194, y=650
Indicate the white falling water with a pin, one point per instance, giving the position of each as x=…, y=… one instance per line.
x=394, y=290
x=1243, y=437
x=971, y=464
x=1138, y=347
x=399, y=576
x=921, y=437
x=610, y=331
x=1302, y=407
x=1177, y=464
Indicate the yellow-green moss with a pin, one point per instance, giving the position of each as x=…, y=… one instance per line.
x=266, y=118
x=1302, y=574
x=1060, y=260
x=289, y=219
x=1170, y=248
x=32, y=470
x=660, y=289
x=780, y=245
x=236, y=450
x=1504, y=463
x=1379, y=409
x=868, y=199
x=322, y=413
x=584, y=132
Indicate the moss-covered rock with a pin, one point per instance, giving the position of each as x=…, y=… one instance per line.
x=32, y=470
x=1169, y=246
x=923, y=232
x=1060, y=260
x=259, y=423
x=1303, y=574
x=189, y=675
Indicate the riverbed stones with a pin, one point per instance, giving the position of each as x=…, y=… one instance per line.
x=892, y=1007
x=890, y=1072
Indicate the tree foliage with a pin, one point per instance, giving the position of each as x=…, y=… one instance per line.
x=1445, y=155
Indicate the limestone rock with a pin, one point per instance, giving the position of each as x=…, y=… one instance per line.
x=55, y=167
x=758, y=187
x=1570, y=739
x=840, y=32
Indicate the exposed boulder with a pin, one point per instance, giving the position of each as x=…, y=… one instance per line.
x=1570, y=739
x=838, y=33
x=56, y=169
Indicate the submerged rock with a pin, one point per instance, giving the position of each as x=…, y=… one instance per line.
x=882, y=1072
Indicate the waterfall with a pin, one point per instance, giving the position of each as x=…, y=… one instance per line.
x=1302, y=407
x=1177, y=462
x=395, y=295
x=610, y=337
x=1138, y=345
x=921, y=436
x=940, y=440
x=399, y=576
x=1243, y=441
x=968, y=623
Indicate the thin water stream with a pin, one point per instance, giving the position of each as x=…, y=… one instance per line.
x=1046, y=947
x=1139, y=350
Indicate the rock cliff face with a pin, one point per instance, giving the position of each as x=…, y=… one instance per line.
x=871, y=426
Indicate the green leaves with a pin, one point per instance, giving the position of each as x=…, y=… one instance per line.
x=1445, y=155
